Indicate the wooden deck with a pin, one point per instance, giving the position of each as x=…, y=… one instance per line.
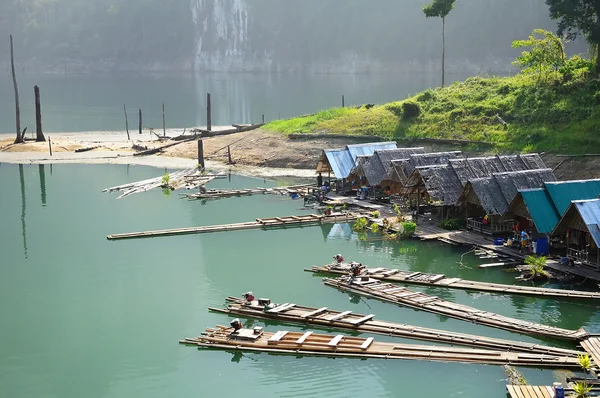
x=260, y=223
x=309, y=343
x=405, y=297
x=530, y=391
x=440, y=280
x=348, y=320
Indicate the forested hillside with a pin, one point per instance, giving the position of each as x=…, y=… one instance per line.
x=317, y=35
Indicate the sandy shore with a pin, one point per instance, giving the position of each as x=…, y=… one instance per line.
x=255, y=153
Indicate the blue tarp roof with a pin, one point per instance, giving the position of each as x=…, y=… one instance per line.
x=563, y=192
x=590, y=214
x=342, y=160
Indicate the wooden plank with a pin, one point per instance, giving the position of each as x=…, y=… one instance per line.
x=511, y=390
x=363, y=319
x=448, y=281
x=367, y=343
x=394, y=289
x=281, y=308
x=412, y=275
x=339, y=316
x=304, y=336
x=277, y=336
x=315, y=312
x=335, y=341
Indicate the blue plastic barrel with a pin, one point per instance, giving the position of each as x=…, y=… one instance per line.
x=542, y=246
x=559, y=390
x=498, y=241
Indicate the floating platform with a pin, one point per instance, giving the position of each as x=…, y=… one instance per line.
x=260, y=223
x=228, y=193
x=348, y=320
x=399, y=295
x=309, y=343
x=592, y=346
x=440, y=280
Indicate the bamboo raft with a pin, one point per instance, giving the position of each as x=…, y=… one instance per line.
x=440, y=280
x=260, y=223
x=309, y=343
x=592, y=346
x=299, y=314
x=530, y=391
x=228, y=193
x=399, y=295
x=189, y=179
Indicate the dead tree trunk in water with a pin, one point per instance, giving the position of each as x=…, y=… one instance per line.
x=208, y=113
x=164, y=125
x=140, y=126
x=39, y=137
x=126, y=122
x=19, y=139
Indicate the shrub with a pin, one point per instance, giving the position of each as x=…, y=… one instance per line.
x=426, y=96
x=452, y=224
x=410, y=109
x=375, y=214
x=360, y=225
x=536, y=266
x=395, y=108
x=408, y=228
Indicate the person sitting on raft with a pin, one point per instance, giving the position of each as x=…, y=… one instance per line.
x=236, y=325
x=249, y=297
x=338, y=258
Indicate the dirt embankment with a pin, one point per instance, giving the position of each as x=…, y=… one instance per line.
x=251, y=150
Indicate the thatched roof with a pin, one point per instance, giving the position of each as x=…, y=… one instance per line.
x=480, y=167
x=495, y=193
x=375, y=169
x=400, y=170
x=440, y=182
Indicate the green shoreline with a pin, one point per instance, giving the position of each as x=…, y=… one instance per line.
x=517, y=113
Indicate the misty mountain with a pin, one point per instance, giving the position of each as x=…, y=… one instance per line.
x=266, y=35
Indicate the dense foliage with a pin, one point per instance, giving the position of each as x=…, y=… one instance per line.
x=523, y=112
x=578, y=17
x=287, y=30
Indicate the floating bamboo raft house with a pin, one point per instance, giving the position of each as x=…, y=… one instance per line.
x=260, y=223
x=300, y=314
x=309, y=343
x=228, y=193
x=440, y=280
x=389, y=292
x=188, y=179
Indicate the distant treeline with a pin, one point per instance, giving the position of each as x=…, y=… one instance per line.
x=305, y=31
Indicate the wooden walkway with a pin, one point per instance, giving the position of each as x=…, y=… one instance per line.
x=592, y=346
x=440, y=280
x=405, y=297
x=348, y=320
x=530, y=391
x=228, y=193
x=467, y=238
x=309, y=343
x=260, y=223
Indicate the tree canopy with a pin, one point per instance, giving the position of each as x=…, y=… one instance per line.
x=578, y=17
x=439, y=8
x=547, y=53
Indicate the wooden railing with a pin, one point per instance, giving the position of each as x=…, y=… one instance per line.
x=583, y=256
x=505, y=226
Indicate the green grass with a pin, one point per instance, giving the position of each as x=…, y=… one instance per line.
x=541, y=116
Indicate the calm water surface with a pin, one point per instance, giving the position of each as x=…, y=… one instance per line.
x=87, y=317
x=95, y=102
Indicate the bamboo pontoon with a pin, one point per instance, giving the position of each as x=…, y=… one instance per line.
x=399, y=295
x=228, y=193
x=188, y=179
x=441, y=280
x=592, y=346
x=260, y=223
x=309, y=343
x=348, y=320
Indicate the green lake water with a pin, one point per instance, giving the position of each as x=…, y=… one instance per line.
x=86, y=317
x=95, y=102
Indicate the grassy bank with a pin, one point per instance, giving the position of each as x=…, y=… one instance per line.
x=513, y=113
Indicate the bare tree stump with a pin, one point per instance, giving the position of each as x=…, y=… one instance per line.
x=19, y=139
x=39, y=135
x=126, y=122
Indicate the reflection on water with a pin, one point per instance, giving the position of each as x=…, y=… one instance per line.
x=42, y=173
x=23, y=207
